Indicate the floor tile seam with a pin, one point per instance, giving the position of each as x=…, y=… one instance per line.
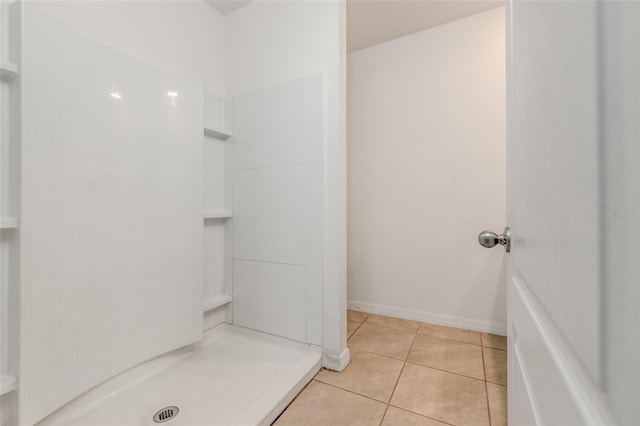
x=451, y=340
x=386, y=408
x=349, y=390
x=292, y=401
x=352, y=392
x=446, y=371
x=391, y=328
x=354, y=331
x=417, y=331
x=496, y=384
x=491, y=347
x=415, y=334
x=393, y=391
x=420, y=414
x=362, y=312
x=384, y=356
x=486, y=388
x=395, y=328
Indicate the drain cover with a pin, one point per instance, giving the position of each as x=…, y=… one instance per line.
x=166, y=414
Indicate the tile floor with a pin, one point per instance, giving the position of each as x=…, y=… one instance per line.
x=408, y=373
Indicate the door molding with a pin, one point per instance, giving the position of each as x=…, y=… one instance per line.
x=582, y=395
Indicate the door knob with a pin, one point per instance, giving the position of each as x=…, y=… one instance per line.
x=489, y=239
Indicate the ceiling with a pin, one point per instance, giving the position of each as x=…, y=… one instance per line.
x=370, y=22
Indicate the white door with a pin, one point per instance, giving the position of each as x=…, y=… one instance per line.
x=574, y=212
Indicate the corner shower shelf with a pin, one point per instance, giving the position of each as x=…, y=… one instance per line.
x=215, y=302
x=8, y=70
x=7, y=384
x=217, y=133
x=217, y=215
x=8, y=223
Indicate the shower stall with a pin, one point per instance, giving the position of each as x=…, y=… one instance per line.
x=173, y=210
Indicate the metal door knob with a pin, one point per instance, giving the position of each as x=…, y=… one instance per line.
x=490, y=239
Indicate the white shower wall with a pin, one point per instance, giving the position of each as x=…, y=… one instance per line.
x=111, y=244
x=186, y=37
x=270, y=43
x=277, y=204
x=285, y=67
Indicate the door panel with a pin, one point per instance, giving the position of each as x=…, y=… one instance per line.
x=619, y=24
x=554, y=165
x=574, y=211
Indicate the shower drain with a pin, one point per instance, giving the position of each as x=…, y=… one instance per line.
x=166, y=414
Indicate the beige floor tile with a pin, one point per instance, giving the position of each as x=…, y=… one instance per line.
x=397, y=417
x=495, y=365
x=390, y=322
x=351, y=327
x=449, y=355
x=442, y=396
x=320, y=404
x=382, y=341
x=356, y=316
x=367, y=374
x=497, y=404
x=465, y=336
x=494, y=341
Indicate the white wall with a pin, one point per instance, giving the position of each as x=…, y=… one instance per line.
x=427, y=173
x=273, y=42
x=183, y=36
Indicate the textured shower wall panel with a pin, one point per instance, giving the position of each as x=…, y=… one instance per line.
x=277, y=209
x=111, y=225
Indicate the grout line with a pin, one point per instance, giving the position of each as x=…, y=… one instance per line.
x=350, y=391
x=421, y=415
x=391, y=328
x=399, y=375
x=354, y=331
x=450, y=340
x=375, y=353
x=486, y=388
x=446, y=371
x=420, y=365
x=292, y=401
x=487, y=346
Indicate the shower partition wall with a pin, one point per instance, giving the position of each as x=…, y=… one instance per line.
x=9, y=204
x=111, y=214
x=139, y=229
x=277, y=203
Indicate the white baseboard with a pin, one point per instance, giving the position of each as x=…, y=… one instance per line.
x=429, y=317
x=336, y=362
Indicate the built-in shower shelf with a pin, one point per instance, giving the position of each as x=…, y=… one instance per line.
x=7, y=384
x=217, y=215
x=215, y=302
x=8, y=223
x=217, y=133
x=8, y=70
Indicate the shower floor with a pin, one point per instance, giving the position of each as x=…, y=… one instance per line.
x=235, y=377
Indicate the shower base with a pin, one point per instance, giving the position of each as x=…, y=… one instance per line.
x=235, y=376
